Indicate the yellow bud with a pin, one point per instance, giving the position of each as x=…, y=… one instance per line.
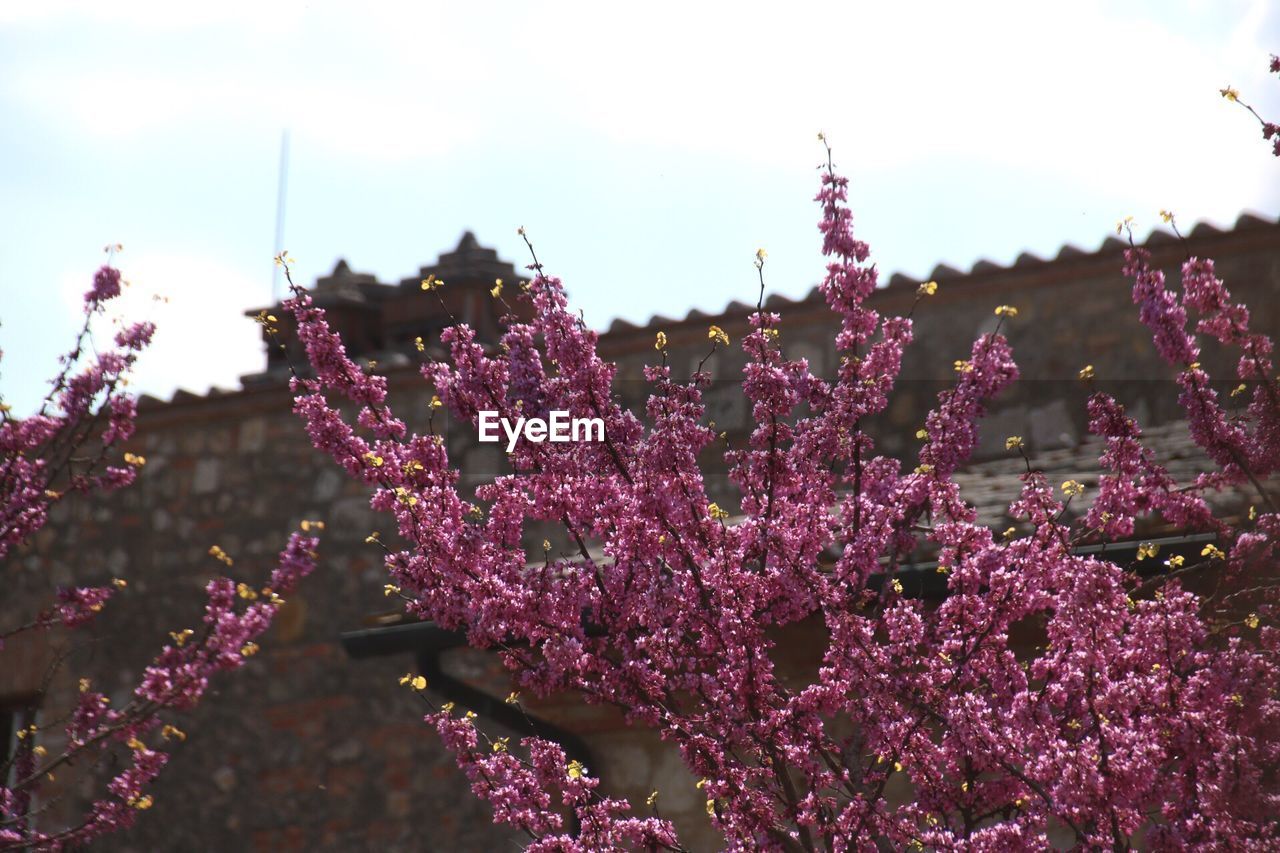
x=1013, y=442
x=927, y=288
x=660, y=341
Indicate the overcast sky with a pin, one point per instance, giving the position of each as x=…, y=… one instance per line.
x=648, y=148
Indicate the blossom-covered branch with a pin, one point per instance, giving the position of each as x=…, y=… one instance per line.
x=70, y=448
x=1270, y=130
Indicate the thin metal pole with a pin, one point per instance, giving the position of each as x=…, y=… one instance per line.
x=281, y=191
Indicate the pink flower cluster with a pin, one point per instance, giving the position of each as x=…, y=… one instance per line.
x=79, y=605
x=1053, y=696
x=38, y=465
x=1271, y=130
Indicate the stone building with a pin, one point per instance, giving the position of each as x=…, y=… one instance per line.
x=313, y=746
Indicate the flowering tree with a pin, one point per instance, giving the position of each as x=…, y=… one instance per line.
x=1147, y=714
x=67, y=449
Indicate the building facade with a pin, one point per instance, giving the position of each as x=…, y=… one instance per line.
x=313, y=745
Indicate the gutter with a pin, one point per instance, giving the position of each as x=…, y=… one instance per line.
x=428, y=642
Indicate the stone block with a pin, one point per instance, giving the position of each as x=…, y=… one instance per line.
x=207, y=474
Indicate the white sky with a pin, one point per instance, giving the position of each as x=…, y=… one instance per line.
x=649, y=149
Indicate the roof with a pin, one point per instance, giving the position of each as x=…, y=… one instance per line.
x=982, y=269
x=470, y=260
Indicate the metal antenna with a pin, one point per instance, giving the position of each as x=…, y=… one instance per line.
x=281, y=190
